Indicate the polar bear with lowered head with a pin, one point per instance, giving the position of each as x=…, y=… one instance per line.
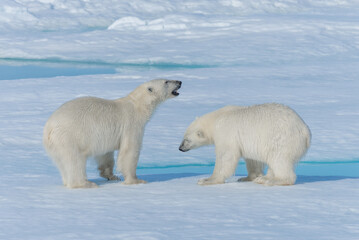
x=271, y=134
x=91, y=126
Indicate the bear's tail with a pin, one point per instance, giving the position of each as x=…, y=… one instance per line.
x=309, y=137
x=47, y=136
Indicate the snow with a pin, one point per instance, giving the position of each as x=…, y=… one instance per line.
x=174, y=207
x=300, y=53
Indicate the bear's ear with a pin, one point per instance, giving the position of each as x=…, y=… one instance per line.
x=150, y=89
x=200, y=134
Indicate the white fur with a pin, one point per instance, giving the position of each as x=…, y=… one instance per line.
x=91, y=126
x=271, y=134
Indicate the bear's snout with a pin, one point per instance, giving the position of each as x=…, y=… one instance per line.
x=182, y=148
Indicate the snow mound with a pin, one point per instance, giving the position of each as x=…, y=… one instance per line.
x=127, y=22
x=134, y=23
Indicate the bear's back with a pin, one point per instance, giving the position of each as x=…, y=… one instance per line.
x=262, y=129
x=268, y=119
x=260, y=112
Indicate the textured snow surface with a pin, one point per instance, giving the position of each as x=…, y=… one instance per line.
x=181, y=32
x=174, y=207
x=300, y=53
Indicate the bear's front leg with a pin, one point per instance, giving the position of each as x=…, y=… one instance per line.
x=127, y=159
x=210, y=181
x=225, y=166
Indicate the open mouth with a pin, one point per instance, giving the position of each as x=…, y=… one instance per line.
x=175, y=91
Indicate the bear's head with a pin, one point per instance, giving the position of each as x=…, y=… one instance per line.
x=156, y=91
x=195, y=136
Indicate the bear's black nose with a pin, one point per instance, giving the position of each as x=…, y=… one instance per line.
x=179, y=83
x=182, y=149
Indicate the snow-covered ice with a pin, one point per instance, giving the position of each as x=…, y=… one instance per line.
x=300, y=53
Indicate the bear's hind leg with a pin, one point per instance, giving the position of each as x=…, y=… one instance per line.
x=284, y=175
x=75, y=171
x=225, y=166
x=279, y=173
x=59, y=166
x=254, y=169
x=105, y=166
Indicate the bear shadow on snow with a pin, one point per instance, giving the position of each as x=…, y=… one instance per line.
x=150, y=178
x=311, y=179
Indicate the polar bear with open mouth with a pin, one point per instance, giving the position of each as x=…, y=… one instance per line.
x=90, y=126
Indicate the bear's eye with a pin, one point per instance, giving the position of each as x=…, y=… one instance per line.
x=167, y=82
x=200, y=134
x=150, y=89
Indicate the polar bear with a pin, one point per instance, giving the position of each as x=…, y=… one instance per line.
x=90, y=126
x=271, y=134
